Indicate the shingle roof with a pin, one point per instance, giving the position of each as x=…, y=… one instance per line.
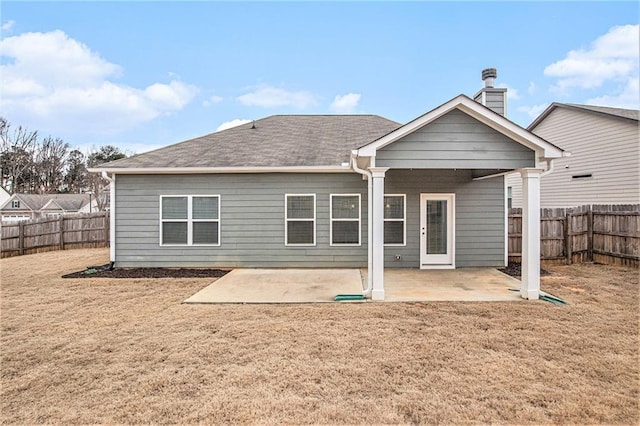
x=630, y=114
x=276, y=141
x=68, y=202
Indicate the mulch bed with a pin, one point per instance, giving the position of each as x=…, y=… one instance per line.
x=104, y=272
x=514, y=269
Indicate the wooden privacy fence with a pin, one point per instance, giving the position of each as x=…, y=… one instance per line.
x=600, y=233
x=60, y=233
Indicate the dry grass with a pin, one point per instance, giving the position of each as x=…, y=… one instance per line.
x=127, y=351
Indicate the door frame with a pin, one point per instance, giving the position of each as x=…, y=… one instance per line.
x=450, y=262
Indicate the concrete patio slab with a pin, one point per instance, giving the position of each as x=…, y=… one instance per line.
x=280, y=286
x=465, y=284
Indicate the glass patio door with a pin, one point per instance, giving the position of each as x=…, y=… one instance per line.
x=437, y=230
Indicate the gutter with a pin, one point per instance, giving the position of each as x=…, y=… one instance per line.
x=353, y=163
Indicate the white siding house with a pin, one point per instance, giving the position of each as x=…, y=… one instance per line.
x=604, y=165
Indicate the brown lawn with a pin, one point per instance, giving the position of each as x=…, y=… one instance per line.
x=127, y=351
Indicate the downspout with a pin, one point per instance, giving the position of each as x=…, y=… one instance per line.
x=549, y=168
x=353, y=160
x=112, y=218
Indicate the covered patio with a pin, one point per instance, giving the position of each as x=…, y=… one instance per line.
x=322, y=285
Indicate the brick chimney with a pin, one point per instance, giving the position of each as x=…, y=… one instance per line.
x=492, y=97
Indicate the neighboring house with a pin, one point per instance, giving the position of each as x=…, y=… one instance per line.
x=4, y=195
x=604, y=166
x=334, y=191
x=102, y=200
x=32, y=206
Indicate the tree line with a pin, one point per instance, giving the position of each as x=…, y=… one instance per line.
x=44, y=165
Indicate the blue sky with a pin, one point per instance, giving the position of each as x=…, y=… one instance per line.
x=141, y=75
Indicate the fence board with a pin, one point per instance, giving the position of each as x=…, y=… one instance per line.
x=600, y=233
x=46, y=234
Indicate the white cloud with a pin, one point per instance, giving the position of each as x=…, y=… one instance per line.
x=7, y=26
x=345, y=104
x=532, y=88
x=212, y=100
x=611, y=57
x=233, y=123
x=628, y=97
x=534, y=110
x=54, y=82
x=512, y=93
x=270, y=97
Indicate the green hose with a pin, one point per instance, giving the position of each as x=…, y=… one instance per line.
x=343, y=297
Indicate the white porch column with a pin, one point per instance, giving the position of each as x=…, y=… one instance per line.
x=377, y=226
x=530, y=280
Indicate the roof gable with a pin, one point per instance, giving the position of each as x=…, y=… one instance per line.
x=619, y=113
x=36, y=202
x=543, y=148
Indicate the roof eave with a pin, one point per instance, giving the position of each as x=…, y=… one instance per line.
x=220, y=170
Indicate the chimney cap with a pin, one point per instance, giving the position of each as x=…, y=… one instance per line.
x=489, y=73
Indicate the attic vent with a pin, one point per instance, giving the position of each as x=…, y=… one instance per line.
x=15, y=204
x=585, y=176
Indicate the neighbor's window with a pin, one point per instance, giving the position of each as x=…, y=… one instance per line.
x=15, y=204
x=345, y=220
x=394, y=219
x=300, y=219
x=190, y=220
x=509, y=197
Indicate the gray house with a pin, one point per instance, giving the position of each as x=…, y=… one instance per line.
x=334, y=191
x=604, y=166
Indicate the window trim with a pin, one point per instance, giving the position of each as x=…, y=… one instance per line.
x=190, y=220
x=403, y=220
x=286, y=221
x=331, y=220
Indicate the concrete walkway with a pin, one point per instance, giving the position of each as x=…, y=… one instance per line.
x=322, y=285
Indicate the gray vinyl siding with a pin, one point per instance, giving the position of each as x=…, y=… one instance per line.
x=495, y=101
x=251, y=220
x=479, y=219
x=604, y=146
x=455, y=141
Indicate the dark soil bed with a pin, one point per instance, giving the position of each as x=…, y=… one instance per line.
x=514, y=269
x=104, y=272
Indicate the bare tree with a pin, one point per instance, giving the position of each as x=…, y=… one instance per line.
x=51, y=157
x=97, y=183
x=17, y=148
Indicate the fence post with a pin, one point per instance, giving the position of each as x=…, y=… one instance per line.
x=589, y=234
x=61, y=232
x=107, y=231
x=568, y=237
x=21, y=237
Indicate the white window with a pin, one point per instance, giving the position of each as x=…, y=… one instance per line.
x=192, y=220
x=395, y=208
x=345, y=219
x=509, y=197
x=300, y=220
x=15, y=204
